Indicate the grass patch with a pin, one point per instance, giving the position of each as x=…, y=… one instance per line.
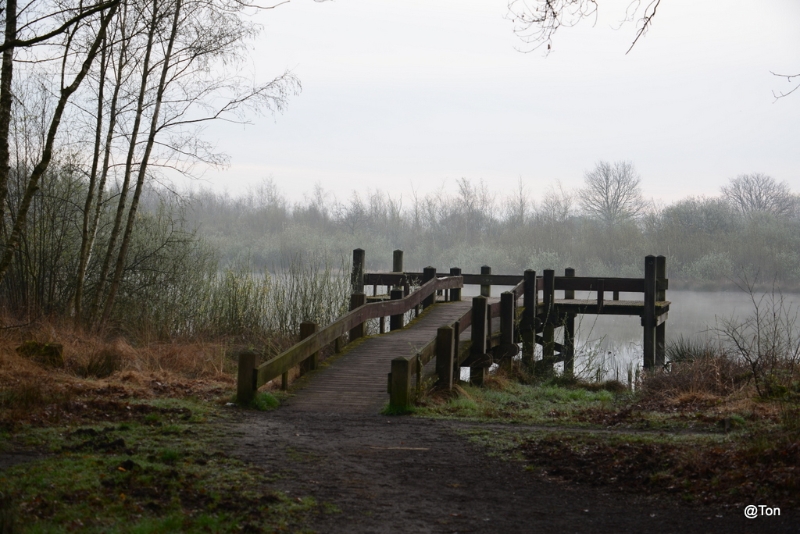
x=143, y=474
x=520, y=403
x=265, y=401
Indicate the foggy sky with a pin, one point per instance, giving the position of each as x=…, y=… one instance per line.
x=411, y=95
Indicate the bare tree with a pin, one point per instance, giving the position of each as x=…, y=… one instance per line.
x=757, y=192
x=12, y=240
x=536, y=21
x=557, y=205
x=611, y=192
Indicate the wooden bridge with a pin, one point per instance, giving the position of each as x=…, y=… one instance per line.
x=443, y=338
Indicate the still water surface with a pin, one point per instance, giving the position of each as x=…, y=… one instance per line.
x=613, y=343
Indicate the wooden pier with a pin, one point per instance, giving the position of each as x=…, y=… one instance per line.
x=476, y=335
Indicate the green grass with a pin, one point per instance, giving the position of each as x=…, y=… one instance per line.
x=519, y=403
x=146, y=474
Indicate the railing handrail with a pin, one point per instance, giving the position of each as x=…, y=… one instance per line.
x=298, y=352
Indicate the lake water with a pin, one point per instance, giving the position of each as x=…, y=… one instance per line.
x=610, y=344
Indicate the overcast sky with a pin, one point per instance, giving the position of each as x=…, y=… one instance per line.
x=415, y=94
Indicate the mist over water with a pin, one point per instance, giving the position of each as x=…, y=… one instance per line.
x=612, y=343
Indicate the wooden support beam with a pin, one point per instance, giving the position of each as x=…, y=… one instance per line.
x=246, y=378
x=530, y=300
x=396, y=321
x=507, y=318
x=428, y=273
x=661, y=325
x=480, y=314
x=649, y=314
x=397, y=261
x=569, y=330
x=357, y=275
x=455, y=293
x=445, y=352
x=308, y=328
x=357, y=300
x=486, y=289
x=401, y=393
x=601, y=284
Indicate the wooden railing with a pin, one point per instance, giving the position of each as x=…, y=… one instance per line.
x=517, y=324
x=251, y=377
x=408, y=375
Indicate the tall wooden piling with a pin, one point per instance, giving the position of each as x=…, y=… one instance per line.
x=455, y=293
x=428, y=274
x=649, y=313
x=486, y=289
x=549, y=331
x=530, y=301
x=445, y=356
x=401, y=394
x=480, y=312
x=357, y=300
x=308, y=328
x=397, y=261
x=569, y=329
x=246, y=379
x=357, y=274
x=661, y=295
x=396, y=321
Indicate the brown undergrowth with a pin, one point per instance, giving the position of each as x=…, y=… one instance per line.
x=96, y=376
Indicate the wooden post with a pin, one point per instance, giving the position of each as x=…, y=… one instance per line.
x=397, y=261
x=661, y=295
x=456, y=364
x=308, y=328
x=507, y=318
x=444, y=356
x=428, y=274
x=601, y=289
x=649, y=313
x=455, y=293
x=396, y=321
x=569, y=330
x=357, y=276
x=357, y=300
x=246, y=378
x=549, y=332
x=480, y=312
x=530, y=297
x=486, y=289
x=382, y=325
x=401, y=394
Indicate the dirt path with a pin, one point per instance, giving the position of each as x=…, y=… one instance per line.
x=402, y=474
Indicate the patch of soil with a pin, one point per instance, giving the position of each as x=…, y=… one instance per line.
x=402, y=474
x=731, y=475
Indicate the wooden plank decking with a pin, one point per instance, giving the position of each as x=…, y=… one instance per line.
x=357, y=381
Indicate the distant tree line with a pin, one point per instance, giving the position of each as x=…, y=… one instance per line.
x=605, y=227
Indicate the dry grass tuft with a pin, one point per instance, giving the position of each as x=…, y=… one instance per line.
x=717, y=374
x=111, y=370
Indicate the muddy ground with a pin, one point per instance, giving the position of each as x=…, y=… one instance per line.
x=405, y=474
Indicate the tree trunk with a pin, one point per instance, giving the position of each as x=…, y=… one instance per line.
x=123, y=251
x=123, y=197
x=12, y=242
x=6, y=74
